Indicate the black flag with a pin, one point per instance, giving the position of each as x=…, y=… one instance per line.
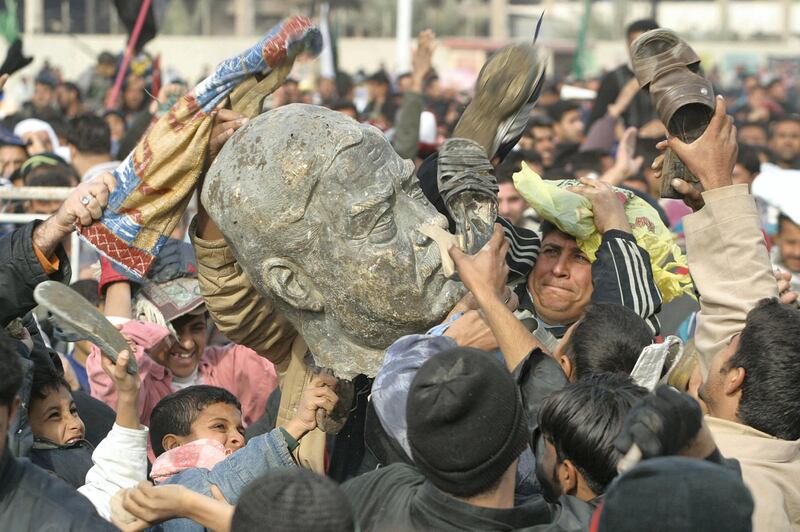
x=128, y=11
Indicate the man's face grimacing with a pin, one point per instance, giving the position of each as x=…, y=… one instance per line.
x=374, y=262
x=561, y=282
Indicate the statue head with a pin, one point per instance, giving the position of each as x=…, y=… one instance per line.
x=323, y=217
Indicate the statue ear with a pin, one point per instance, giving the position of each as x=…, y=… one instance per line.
x=289, y=282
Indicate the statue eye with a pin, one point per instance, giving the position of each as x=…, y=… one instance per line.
x=414, y=190
x=375, y=222
x=384, y=229
x=417, y=194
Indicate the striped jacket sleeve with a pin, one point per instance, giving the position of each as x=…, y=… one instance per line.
x=522, y=252
x=622, y=275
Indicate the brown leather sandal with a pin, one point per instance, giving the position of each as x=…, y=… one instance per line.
x=667, y=67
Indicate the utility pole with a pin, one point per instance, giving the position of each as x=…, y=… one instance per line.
x=403, y=35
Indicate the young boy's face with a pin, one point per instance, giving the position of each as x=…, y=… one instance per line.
x=186, y=353
x=55, y=418
x=219, y=421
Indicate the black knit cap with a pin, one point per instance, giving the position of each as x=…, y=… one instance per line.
x=465, y=421
x=293, y=500
x=676, y=493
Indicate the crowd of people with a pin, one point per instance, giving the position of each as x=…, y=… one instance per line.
x=551, y=397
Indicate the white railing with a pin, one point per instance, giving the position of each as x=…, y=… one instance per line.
x=35, y=193
x=43, y=194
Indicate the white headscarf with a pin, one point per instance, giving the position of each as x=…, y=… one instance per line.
x=780, y=188
x=32, y=125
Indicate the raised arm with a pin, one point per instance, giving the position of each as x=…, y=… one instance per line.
x=621, y=272
x=408, y=116
x=150, y=505
x=484, y=274
x=120, y=460
x=84, y=205
x=725, y=247
x=241, y=313
x=34, y=253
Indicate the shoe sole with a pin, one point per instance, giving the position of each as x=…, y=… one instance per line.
x=504, y=85
x=75, y=314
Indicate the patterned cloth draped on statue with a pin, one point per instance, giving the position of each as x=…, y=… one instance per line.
x=156, y=180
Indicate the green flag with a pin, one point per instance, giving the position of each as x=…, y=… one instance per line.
x=8, y=21
x=579, y=65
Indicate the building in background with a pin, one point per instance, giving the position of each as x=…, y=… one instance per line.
x=759, y=20
x=195, y=34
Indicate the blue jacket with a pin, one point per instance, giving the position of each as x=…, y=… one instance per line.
x=262, y=454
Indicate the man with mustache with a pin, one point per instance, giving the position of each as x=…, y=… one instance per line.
x=747, y=335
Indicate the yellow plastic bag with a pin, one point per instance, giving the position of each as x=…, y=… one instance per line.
x=572, y=214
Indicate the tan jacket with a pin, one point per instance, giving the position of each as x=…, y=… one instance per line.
x=770, y=468
x=731, y=269
x=247, y=318
x=729, y=263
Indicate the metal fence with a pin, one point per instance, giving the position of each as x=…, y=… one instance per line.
x=43, y=194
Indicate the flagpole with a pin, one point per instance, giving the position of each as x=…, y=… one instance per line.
x=327, y=67
x=137, y=30
x=403, y=52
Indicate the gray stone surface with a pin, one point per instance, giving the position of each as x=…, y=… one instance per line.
x=323, y=217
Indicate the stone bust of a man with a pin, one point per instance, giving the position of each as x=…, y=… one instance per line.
x=324, y=217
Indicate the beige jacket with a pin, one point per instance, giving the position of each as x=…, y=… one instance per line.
x=247, y=318
x=731, y=269
x=729, y=263
x=770, y=468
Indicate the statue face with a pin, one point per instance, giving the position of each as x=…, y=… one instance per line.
x=379, y=276
x=323, y=217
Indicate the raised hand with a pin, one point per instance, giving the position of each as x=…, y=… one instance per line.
x=484, y=273
x=225, y=125
x=421, y=58
x=318, y=394
x=625, y=164
x=785, y=293
x=711, y=157
x=83, y=206
x=608, y=210
x=471, y=330
x=127, y=387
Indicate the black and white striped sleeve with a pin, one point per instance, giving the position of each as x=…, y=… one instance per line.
x=523, y=249
x=622, y=275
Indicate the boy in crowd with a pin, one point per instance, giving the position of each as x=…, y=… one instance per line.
x=30, y=499
x=198, y=439
x=119, y=461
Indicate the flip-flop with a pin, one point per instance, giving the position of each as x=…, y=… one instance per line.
x=76, y=315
